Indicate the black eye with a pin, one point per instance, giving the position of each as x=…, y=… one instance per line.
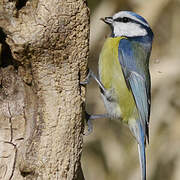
x=125, y=19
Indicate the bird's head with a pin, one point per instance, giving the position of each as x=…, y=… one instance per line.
x=129, y=24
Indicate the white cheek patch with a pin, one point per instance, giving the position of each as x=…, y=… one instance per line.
x=128, y=29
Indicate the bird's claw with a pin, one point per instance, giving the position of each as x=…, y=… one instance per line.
x=88, y=77
x=89, y=124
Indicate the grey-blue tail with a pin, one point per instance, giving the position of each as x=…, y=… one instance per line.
x=137, y=130
x=142, y=159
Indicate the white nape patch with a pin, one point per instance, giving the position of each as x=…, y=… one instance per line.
x=129, y=15
x=128, y=29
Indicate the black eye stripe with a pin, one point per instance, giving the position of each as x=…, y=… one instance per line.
x=127, y=19
x=124, y=19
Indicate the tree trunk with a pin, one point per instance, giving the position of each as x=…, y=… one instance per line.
x=43, y=56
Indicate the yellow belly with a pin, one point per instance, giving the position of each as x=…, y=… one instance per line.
x=111, y=76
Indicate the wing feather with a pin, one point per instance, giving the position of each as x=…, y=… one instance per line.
x=134, y=60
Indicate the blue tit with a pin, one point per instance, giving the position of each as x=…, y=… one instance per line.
x=124, y=74
x=124, y=77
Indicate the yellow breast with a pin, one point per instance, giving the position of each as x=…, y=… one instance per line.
x=111, y=76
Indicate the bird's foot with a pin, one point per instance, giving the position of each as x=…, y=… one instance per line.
x=88, y=78
x=89, y=119
x=89, y=124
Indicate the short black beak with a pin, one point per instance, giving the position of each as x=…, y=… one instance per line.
x=107, y=20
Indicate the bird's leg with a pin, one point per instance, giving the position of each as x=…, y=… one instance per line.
x=91, y=117
x=92, y=75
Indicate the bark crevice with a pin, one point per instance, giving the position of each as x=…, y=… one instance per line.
x=6, y=58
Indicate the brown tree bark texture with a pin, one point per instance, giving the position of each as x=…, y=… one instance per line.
x=41, y=101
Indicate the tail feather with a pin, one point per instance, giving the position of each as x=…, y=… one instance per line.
x=137, y=130
x=142, y=159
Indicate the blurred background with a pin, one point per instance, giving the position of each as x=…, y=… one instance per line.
x=110, y=152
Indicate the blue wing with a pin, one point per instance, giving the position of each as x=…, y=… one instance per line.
x=134, y=60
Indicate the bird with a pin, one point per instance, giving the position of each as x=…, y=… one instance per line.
x=124, y=77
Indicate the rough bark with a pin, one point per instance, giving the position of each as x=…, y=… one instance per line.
x=43, y=55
